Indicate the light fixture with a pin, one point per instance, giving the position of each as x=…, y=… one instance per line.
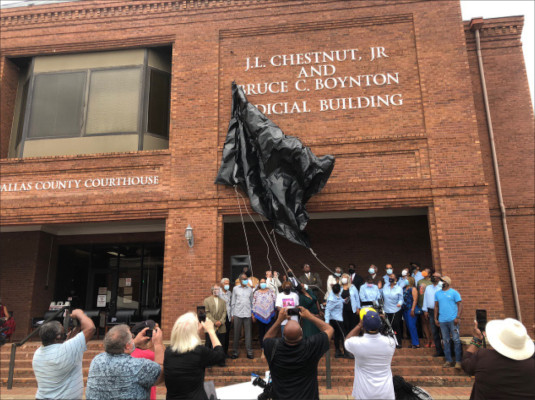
x=189, y=236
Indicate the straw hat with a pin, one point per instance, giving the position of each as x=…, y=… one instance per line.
x=510, y=338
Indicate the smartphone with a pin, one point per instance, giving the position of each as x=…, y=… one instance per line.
x=481, y=318
x=201, y=313
x=148, y=333
x=293, y=311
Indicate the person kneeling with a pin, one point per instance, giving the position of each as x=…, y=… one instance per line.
x=373, y=358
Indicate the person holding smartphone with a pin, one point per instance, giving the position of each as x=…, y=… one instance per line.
x=142, y=332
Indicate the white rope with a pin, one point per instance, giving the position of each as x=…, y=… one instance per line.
x=244, y=232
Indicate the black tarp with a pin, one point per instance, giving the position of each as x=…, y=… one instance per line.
x=276, y=171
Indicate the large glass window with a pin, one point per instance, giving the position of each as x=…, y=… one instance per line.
x=69, y=102
x=56, y=107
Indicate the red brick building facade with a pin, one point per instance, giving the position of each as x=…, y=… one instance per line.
x=391, y=89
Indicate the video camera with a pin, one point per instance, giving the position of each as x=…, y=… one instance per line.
x=267, y=393
x=386, y=326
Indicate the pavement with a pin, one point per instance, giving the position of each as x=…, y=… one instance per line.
x=437, y=393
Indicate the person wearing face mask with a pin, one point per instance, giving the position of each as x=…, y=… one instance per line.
x=351, y=308
x=389, y=271
x=415, y=272
x=448, y=310
x=263, y=310
x=369, y=292
x=116, y=375
x=356, y=279
x=216, y=311
x=288, y=300
x=333, y=279
x=402, y=281
x=241, y=309
x=272, y=280
x=226, y=295
x=372, y=272
x=57, y=364
x=428, y=307
x=252, y=281
x=410, y=298
x=393, y=300
x=334, y=316
x=422, y=321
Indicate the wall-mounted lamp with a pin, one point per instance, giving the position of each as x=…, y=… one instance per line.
x=189, y=236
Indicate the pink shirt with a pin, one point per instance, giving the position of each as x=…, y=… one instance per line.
x=149, y=355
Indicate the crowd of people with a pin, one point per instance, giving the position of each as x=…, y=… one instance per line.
x=294, y=331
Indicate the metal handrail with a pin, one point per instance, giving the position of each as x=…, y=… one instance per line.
x=23, y=341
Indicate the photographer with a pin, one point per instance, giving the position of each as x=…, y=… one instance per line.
x=57, y=364
x=293, y=360
x=144, y=346
x=373, y=354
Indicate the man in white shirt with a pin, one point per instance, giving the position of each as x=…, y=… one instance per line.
x=287, y=299
x=57, y=364
x=428, y=308
x=373, y=358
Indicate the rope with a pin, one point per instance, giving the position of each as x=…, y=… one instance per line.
x=244, y=231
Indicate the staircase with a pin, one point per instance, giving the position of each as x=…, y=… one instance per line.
x=416, y=365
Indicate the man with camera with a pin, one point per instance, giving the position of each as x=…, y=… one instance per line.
x=57, y=364
x=373, y=354
x=293, y=360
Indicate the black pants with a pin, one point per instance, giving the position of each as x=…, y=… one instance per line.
x=227, y=336
x=338, y=334
x=395, y=321
x=435, y=331
x=262, y=329
x=350, y=320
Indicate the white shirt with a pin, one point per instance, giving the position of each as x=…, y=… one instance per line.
x=429, y=297
x=373, y=372
x=58, y=369
x=287, y=301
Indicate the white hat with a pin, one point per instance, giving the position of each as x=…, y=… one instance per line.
x=510, y=338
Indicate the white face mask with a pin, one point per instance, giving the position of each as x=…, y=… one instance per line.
x=344, y=281
x=371, y=271
x=404, y=273
x=389, y=271
x=440, y=284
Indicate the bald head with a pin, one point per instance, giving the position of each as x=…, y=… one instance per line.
x=293, y=333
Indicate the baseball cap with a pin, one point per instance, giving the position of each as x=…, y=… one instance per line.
x=447, y=279
x=142, y=325
x=371, y=321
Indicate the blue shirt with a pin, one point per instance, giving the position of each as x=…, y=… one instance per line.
x=385, y=278
x=354, y=298
x=58, y=369
x=369, y=293
x=429, y=297
x=402, y=282
x=417, y=276
x=392, y=297
x=334, y=308
x=120, y=376
x=447, y=304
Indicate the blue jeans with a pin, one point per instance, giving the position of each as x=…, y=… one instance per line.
x=448, y=328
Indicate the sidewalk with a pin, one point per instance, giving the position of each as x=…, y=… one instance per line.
x=438, y=393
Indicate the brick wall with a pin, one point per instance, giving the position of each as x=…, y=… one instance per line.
x=427, y=153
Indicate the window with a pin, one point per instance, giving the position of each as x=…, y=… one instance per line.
x=94, y=103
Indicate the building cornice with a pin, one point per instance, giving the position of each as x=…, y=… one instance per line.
x=496, y=29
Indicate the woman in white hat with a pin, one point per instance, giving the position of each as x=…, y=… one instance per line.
x=507, y=371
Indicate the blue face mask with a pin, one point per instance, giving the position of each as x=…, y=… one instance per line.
x=263, y=286
x=371, y=271
x=227, y=287
x=337, y=274
x=244, y=281
x=389, y=271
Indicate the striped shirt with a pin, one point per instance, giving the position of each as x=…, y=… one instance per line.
x=58, y=369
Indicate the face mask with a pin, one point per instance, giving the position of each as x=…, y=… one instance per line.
x=351, y=271
x=337, y=274
x=404, y=273
x=389, y=271
x=371, y=271
x=424, y=274
x=216, y=292
x=391, y=280
x=433, y=279
x=369, y=284
x=440, y=284
x=287, y=290
x=227, y=287
x=344, y=281
x=263, y=286
x=244, y=282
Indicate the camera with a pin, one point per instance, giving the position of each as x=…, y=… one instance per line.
x=268, y=388
x=148, y=332
x=293, y=311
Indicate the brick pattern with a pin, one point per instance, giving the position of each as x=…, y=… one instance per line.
x=430, y=153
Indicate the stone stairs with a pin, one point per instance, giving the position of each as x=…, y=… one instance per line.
x=415, y=365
